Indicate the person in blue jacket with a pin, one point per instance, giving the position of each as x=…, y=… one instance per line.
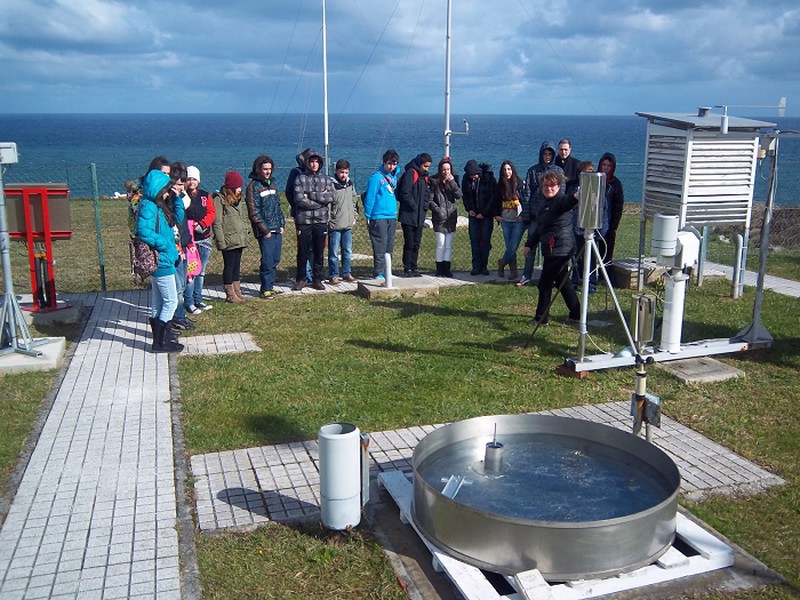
x=160, y=210
x=380, y=211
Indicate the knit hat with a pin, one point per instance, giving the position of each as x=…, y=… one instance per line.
x=472, y=168
x=233, y=180
x=192, y=172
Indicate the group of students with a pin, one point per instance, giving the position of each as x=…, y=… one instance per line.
x=542, y=205
x=173, y=215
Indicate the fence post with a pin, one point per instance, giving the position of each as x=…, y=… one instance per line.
x=97, y=227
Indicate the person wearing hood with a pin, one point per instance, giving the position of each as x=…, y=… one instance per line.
x=313, y=195
x=264, y=210
x=380, y=212
x=340, y=225
x=230, y=233
x=531, y=198
x=159, y=211
x=289, y=193
x=413, y=192
x=478, y=190
x=615, y=203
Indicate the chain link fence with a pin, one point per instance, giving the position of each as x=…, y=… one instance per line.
x=96, y=255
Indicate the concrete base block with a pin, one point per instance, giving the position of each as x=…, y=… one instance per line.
x=414, y=287
x=52, y=354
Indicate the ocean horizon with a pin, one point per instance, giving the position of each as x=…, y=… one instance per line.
x=63, y=147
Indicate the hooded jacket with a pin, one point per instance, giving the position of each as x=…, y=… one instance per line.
x=290, y=180
x=263, y=205
x=479, y=195
x=313, y=193
x=413, y=192
x=152, y=226
x=531, y=195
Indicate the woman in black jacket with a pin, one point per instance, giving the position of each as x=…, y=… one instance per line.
x=554, y=232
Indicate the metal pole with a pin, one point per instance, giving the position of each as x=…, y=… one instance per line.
x=756, y=332
x=325, y=84
x=447, y=131
x=98, y=230
x=12, y=319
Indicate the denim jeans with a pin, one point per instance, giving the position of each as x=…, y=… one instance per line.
x=163, y=297
x=270, y=258
x=193, y=294
x=512, y=234
x=339, y=238
x=180, y=287
x=480, y=239
x=381, y=234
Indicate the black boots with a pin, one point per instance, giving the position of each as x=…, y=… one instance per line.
x=162, y=342
x=443, y=269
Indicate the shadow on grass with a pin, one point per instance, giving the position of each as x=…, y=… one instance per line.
x=411, y=309
x=274, y=429
x=466, y=350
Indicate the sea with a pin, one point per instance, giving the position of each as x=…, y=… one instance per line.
x=80, y=149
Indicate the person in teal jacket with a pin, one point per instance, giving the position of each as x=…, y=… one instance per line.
x=159, y=211
x=380, y=211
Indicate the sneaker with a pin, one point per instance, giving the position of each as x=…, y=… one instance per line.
x=349, y=279
x=299, y=285
x=183, y=324
x=408, y=273
x=485, y=271
x=276, y=291
x=266, y=295
x=415, y=273
x=523, y=281
x=335, y=281
x=193, y=310
x=203, y=306
x=475, y=271
x=538, y=321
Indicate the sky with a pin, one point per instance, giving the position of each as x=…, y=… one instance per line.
x=388, y=56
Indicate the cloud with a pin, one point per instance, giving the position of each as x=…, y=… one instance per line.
x=388, y=56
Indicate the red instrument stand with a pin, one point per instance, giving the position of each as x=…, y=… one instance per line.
x=38, y=213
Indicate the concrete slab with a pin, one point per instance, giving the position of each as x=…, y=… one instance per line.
x=701, y=370
x=52, y=353
x=64, y=313
x=414, y=287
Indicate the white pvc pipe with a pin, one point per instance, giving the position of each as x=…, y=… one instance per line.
x=674, y=298
x=388, y=268
x=340, y=475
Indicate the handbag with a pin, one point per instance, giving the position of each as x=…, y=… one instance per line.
x=194, y=265
x=144, y=259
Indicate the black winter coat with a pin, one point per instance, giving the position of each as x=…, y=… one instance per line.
x=554, y=226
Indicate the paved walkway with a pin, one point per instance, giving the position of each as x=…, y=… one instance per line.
x=97, y=511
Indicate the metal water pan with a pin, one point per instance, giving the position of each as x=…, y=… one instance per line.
x=574, y=499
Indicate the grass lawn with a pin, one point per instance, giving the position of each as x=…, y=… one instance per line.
x=395, y=363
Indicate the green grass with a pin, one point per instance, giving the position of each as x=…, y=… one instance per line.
x=20, y=400
x=395, y=363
